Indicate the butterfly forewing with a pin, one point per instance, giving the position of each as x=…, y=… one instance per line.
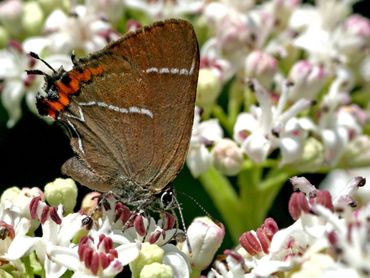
x=138, y=114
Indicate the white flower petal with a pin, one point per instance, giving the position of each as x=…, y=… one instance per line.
x=11, y=97
x=128, y=252
x=36, y=44
x=257, y=147
x=244, y=122
x=177, y=260
x=66, y=256
x=20, y=246
x=198, y=160
x=210, y=130
x=53, y=269
x=291, y=149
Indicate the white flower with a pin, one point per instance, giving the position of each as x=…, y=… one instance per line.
x=261, y=66
x=227, y=157
x=57, y=231
x=319, y=229
x=148, y=230
x=17, y=84
x=338, y=182
x=14, y=62
x=205, y=237
x=83, y=30
x=209, y=88
x=211, y=59
x=352, y=38
x=161, y=9
x=235, y=33
x=204, y=135
x=308, y=79
x=101, y=253
x=156, y=261
x=13, y=230
x=267, y=127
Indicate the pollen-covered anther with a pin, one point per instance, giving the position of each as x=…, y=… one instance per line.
x=33, y=206
x=122, y=212
x=323, y=198
x=139, y=225
x=236, y=256
x=97, y=257
x=250, y=243
x=332, y=237
x=155, y=236
x=6, y=230
x=297, y=204
x=44, y=214
x=270, y=227
x=169, y=221
x=105, y=243
x=54, y=215
x=263, y=239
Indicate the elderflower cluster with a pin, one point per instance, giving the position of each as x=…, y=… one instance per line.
x=37, y=238
x=283, y=90
x=329, y=238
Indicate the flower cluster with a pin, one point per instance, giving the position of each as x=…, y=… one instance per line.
x=329, y=238
x=282, y=91
x=99, y=240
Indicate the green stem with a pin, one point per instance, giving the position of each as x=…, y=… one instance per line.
x=220, y=114
x=235, y=101
x=195, y=273
x=258, y=193
x=248, y=181
x=225, y=199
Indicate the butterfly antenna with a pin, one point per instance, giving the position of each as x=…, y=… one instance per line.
x=183, y=225
x=37, y=57
x=198, y=204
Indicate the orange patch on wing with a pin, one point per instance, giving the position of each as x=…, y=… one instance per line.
x=84, y=76
x=66, y=90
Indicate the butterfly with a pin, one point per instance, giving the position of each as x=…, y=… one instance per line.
x=129, y=111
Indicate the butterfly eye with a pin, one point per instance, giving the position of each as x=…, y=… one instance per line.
x=167, y=200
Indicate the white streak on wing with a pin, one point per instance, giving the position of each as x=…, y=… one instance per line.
x=102, y=104
x=114, y=108
x=147, y=112
x=90, y=103
x=183, y=72
x=174, y=71
x=132, y=109
x=192, y=67
x=153, y=69
x=80, y=118
x=78, y=137
x=164, y=70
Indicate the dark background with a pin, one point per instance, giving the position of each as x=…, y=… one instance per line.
x=32, y=153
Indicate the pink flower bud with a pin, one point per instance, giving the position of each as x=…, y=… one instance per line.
x=358, y=25
x=205, y=237
x=307, y=78
x=261, y=66
x=227, y=157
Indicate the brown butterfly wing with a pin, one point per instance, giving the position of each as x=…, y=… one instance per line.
x=138, y=115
